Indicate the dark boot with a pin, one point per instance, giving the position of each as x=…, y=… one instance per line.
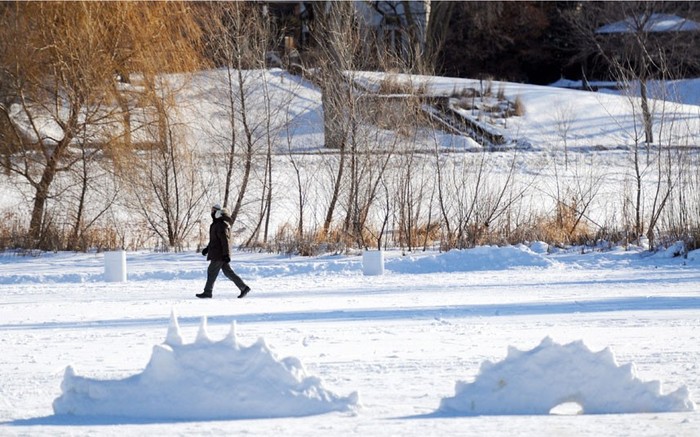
x=245, y=291
x=204, y=295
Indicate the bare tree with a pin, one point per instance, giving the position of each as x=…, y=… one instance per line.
x=57, y=81
x=667, y=167
x=369, y=162
x=164, y=175
x=681, y=215
x=336, y=36
x=341, y=40
x=458, y=191
x=414, y=179
x=58, y=62
x=634, y=50
x=564, y=118
x=95, y=192
x=240, y=38
x=574, y=194
x=635, y=53
x=301, y=179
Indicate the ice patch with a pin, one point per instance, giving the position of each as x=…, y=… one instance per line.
x=204, y=380
x=550, y=375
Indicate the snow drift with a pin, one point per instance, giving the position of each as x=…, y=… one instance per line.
x=204, y=380
x=475, y=259
x=537, y=381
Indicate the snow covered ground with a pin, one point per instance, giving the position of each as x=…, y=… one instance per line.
x=321, y=349
x=484, y=341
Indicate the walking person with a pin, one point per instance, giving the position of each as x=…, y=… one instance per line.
x=218, y=253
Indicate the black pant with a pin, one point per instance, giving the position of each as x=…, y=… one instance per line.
x=213, y=271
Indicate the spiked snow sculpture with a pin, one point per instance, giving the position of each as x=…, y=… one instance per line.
x=537, y=381
x=204, y=380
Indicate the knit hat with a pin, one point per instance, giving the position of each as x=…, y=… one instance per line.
x=216, y=206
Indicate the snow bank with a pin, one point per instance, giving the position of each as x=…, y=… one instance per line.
x=479, y=258
x=457, y=142
x=204, y=380
x=675, y=250
x=68, y=267
x=537, y=381
x=65, y=267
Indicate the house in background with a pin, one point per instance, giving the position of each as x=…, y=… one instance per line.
x=394, y=25
x=646, y=46
x=654, y=23
x=398, y=24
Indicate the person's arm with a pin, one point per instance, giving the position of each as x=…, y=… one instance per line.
x=225, y=244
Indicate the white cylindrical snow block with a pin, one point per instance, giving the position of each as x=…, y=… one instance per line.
x=115, y=266
x=373, y=262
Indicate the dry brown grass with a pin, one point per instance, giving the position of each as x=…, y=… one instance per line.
x=488, y=87
x=518, y=107
x=392, y=85
x=12, y=232
x=562, y=227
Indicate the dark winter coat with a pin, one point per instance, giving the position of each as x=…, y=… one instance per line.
x=219, y=239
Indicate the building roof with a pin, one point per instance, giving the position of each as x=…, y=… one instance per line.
x=651, y=23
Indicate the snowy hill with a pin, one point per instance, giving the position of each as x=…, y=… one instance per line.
x=594, y=120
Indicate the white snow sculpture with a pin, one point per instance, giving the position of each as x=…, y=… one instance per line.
x=201, y=381
x=537, y=381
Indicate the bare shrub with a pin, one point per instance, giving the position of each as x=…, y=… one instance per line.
x=464, y=92
x=564, y=227
x=288, y=241
x=689, y=236
x=428, y=233
x=390, y=84
x=487, y=91
x=57, y=237
x=421, y=89
x=466, y=103
x=692, y=239
x=99, y=238
x=491, y=109
x=523, y=232
x=501, y=94
x=12, y=231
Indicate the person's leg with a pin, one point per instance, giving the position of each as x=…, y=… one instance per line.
x=212, y=273
x=228, y=271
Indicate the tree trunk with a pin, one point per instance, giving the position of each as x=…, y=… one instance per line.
x=232, y=145
x=638, y=200
x=248, y=163
x=36, y=225
x=75, y=234
x=268, y=200
x=646, y=112
x=333, y=117
x=336, y=192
